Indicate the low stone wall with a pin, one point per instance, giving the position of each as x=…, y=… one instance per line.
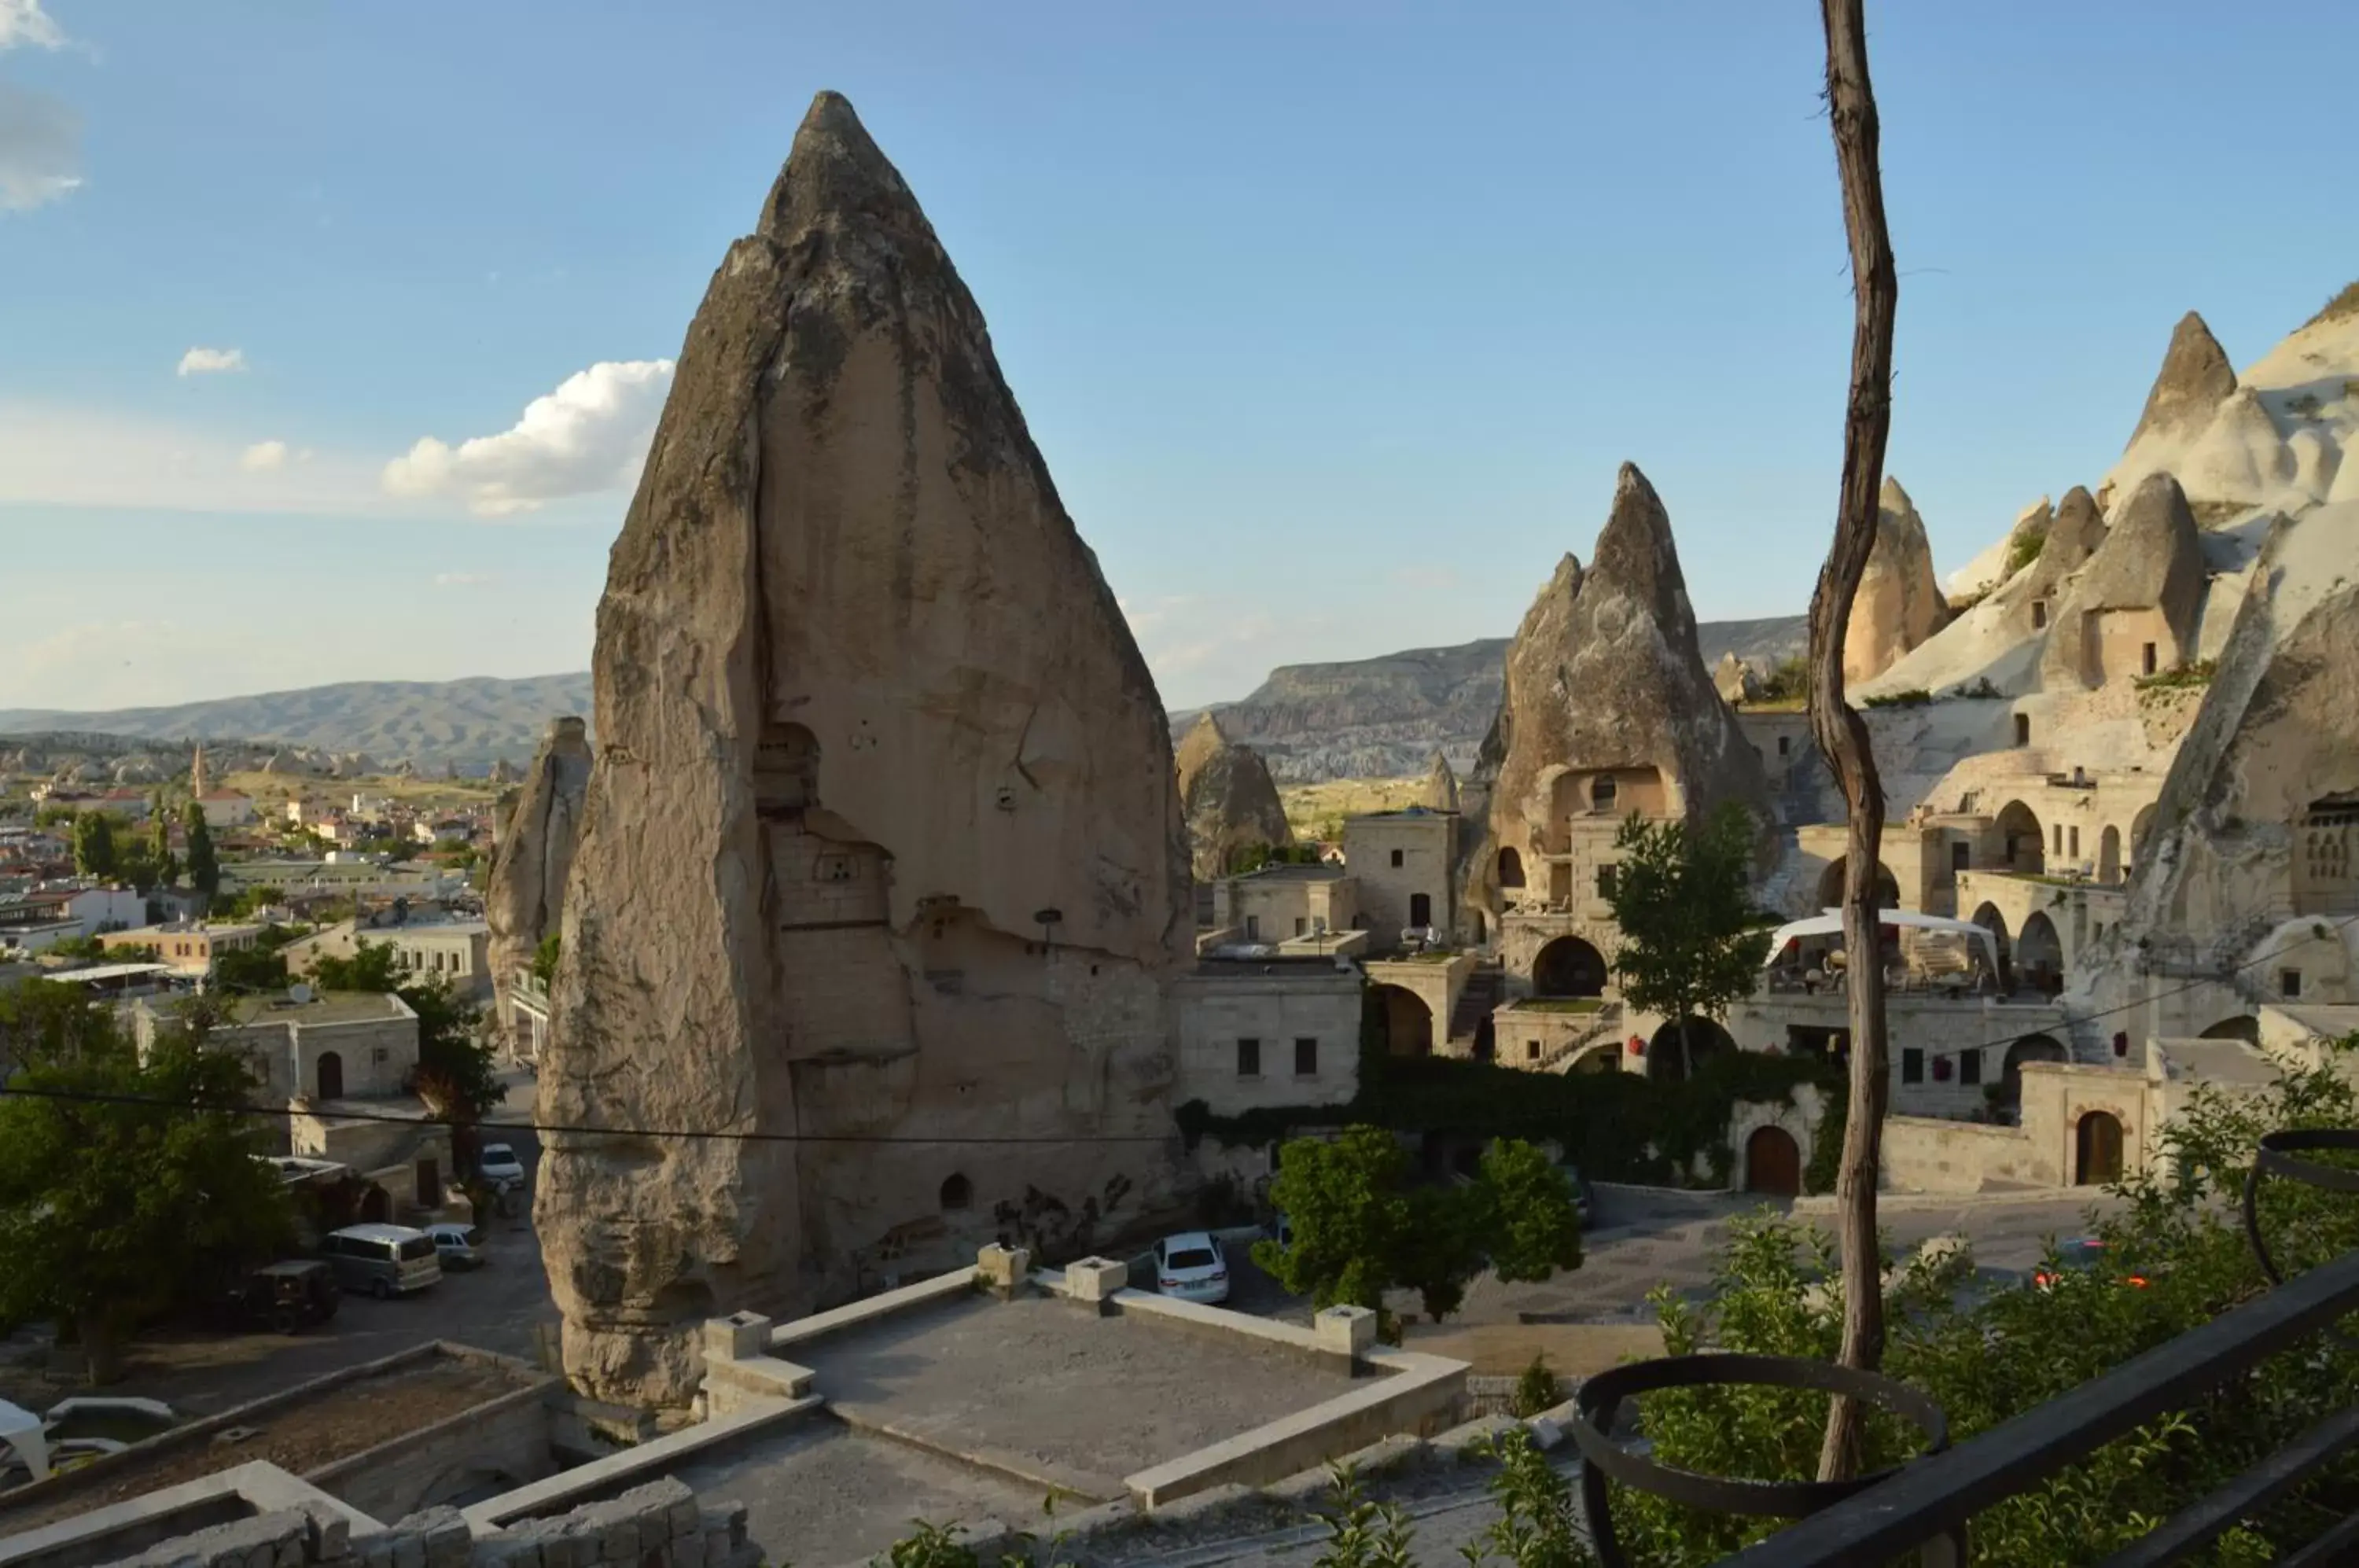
x=509, y=1436
x=657, y=1526
x=1925, y=1155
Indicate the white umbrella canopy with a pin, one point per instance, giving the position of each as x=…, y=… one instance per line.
x=1829, y=923
x=21, y=1430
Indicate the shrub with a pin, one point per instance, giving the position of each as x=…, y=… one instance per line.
x=2023, y=550
x=1915, y=697
x=1537, y=1388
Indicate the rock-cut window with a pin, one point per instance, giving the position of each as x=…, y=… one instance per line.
x=1601, y=792
x=958, y=1193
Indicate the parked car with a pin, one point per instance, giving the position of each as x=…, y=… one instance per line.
x=457, y=1246
x=2082, y=1255
x=284, y=1297
x=499, y=1164
x=1190, y=1267
x=385, y=1260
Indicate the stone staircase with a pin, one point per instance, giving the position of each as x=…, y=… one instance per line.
x=1607, y=1020
x=1486, y=987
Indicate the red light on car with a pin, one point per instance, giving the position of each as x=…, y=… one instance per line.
x=2138, y=1280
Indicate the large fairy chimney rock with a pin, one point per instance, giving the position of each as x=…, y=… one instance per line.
x=1440, y=790
x=2195, y=380
x=2135, y=607
x=882, y=838
x=533, y=847
x=1900, y=602
x=1604, y=679
x=1229, y=801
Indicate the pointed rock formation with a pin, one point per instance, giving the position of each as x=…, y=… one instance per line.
x=2195, y=380
x=2135, y=607
x=1229, y=801
x=1735, y=680
x=1900, y=602
x=532, y=856
x=1440, y=791
x=882, y=838
x=1607, y=707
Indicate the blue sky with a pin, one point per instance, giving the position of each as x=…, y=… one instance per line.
x=1333, y=319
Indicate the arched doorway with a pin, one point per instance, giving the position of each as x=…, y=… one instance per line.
x=2109, y=856
x=2031, y=1047
x=332, y=1076
x=1991, y=921
x=376, y=1205
x=1705, y=1040
x=1569, y=967
x=2097, y=1149
x=1831, y=884
x=2243, y=1027
x=1409, y=1022
x=2023, y=843
x=1511, y=867
x=1605, y=1057
x=1773, y=1164
x=2039, y=953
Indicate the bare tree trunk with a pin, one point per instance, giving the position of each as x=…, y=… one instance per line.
x=1840, y=732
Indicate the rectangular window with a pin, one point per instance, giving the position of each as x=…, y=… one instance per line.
x=2056, y=839
x=1531, y=1051
x=1252, y=927
x=1961, y=856
x=2149, y=659
x=1970, y=1067
x=2038, y=614
x=2023, y=729
x=1785, y=745
x=1305, y=1059
x=2289, y=983
x=1301, y=925
x=1248, y=1059
x=2075, y=835
x=1912, y=1066
x=1397, y=857
x=1606, y=881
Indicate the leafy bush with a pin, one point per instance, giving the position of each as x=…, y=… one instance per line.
x=2195, y=674
x=1982, y=687
x=1915, y=697
x=1537, y=1388
x=2023, y=550
x=1788, y=681
x=2344, y=303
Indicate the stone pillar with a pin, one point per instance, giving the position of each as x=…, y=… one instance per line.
x=741, y=1336
x=1346, y=1332
x=1002, y=1271
x=1093, y=1281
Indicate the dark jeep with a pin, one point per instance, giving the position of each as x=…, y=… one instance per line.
x=284, y=1297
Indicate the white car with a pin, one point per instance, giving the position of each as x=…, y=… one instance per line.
x=1190, y=1267
x=499, y=1164
x=457, y=1246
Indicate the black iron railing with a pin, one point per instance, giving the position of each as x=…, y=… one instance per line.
x=1926, y=1507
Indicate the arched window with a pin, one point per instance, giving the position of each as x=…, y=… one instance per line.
x=1511, y=867
x=958, y=1193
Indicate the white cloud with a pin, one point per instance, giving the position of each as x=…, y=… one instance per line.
x=22, y=23
x=462, y=579
x=40, y=146
x=589, y=435
x=211, y=361
x=264, y=457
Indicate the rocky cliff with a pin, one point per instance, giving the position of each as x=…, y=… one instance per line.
x=882, y=852
x=1899, y=604
x=534, y=852
x=1227, y=795
x=1604, y=681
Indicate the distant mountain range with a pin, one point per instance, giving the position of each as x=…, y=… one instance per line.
x=1362, y=718
x=472, y=722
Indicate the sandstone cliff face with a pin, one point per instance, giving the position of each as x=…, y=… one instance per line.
x=1900, y=602
x=882, y=838
x=2143, y=588
x=1604, y=678
x=1229, y=801
x=533, y=853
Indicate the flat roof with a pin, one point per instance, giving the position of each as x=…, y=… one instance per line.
x=324, y=1007
x=109, y=971
x=1282, y=871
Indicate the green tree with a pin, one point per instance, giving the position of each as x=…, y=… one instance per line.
x=94, y=844
x=456, y=1073
x=1683, y=897
x=1361, y=1226
x=159, y=850
x=204, y=869
x=110, y=1213
x=544, y=958
x=251, y=970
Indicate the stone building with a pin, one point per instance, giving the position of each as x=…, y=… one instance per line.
x=1283, y=901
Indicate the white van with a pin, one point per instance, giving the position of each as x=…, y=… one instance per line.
x=385, y=1260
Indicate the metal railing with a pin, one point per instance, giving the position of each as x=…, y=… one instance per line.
x=1926, y=1507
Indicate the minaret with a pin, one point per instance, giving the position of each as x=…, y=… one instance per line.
x=197, y=774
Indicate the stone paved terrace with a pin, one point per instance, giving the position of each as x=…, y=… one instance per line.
x=979, y=1409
